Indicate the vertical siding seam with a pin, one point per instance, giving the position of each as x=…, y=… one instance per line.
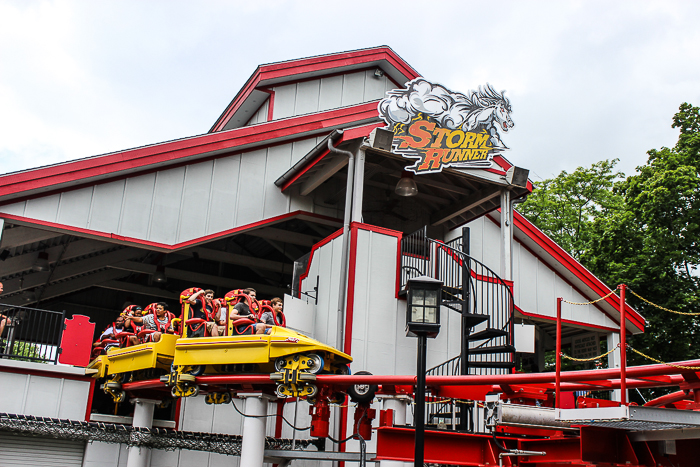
x=26, y=392
x=238, y=190
x=121, y=208
x=60, y=396
x=182, y=201
x=58, y=208
x=92, y=202
x=318, y=102
x=264, y=193
x=153, y=204
x=296, y=95
x=209, y=200
x=368, y=283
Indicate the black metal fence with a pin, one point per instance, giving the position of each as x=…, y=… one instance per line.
x=472, y=288
x=30, y=334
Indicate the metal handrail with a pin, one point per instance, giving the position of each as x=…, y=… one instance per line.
x=31, y=334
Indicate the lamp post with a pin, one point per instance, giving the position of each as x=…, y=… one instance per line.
x=422, y=321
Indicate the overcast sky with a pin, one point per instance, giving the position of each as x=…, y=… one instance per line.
x=587, y=80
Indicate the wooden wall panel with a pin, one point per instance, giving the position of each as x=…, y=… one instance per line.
x=136, y=210
x=74, y=207
x=107, y=206
x=307, y=97
x=279, y=160
x=45, y=208
x=195, y=202
x=252, y=176
x=285, y=99
x=167, y=201
x=353, y=88
x=224, y=192
x=331, y=93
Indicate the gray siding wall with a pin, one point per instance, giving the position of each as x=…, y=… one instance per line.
x=535, y=286
x=328, y=93
x=42, y=396
x=184, y=203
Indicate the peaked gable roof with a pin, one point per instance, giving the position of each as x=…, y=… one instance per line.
x=255, y=90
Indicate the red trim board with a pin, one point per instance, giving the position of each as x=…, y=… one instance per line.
x=315, y=247
x=551, y=268
x=574, y=266
x=311, y=65
x=163, y=246
x=170, y=152
x=566, y=321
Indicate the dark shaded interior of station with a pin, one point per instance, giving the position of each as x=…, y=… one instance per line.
x=79, y=282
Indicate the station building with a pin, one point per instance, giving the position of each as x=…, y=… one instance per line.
x=288, y=194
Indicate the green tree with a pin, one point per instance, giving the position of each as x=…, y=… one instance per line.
x=651, y=243
x=642, y=231
x=566, y=206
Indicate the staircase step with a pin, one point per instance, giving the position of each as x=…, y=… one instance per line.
x=492, y=349
x=487, y=333
x=491, y=364
x=453, y=304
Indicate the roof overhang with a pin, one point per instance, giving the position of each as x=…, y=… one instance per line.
x=73, y=174
x=459, y=195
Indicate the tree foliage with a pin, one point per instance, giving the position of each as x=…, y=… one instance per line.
x=566, y=206
x=642, y=231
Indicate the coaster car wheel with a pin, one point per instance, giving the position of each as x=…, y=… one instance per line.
x=280, y=363
x=196, y=370
x=362, y=392
x=315, y=363
x=309, y=391
x=120, y=397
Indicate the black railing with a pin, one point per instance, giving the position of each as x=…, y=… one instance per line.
x=464, y=280
x=486, y=304
x=30, y=334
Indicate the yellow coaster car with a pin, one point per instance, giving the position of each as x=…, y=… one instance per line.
x=292, y=358
x=136, y=362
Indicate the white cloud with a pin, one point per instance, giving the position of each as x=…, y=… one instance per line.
x=587, y=80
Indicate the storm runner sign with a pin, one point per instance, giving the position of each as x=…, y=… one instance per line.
x=440, y=128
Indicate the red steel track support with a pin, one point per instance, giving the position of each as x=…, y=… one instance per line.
x=623, y=346
x=557, y=396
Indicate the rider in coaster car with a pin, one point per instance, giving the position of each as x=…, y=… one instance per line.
x=207, y=314
x=272, y=314
x=116, y=328
x=160, y=321
x=242, y=310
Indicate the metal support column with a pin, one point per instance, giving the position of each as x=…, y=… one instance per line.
x=466, y=330
x=140, y=456
x=254, y=425
x=419, y=416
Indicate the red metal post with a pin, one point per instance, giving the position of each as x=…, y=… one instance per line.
x=557, y=399
x=623, y=347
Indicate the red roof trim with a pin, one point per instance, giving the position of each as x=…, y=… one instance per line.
x=310, y=65
x=565, y=321
x=114, y=163
x=574, y=266
x=164, y=246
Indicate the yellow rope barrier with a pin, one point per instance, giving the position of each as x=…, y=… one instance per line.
x=660, y=307
x=589, y=303
x=589, y=359
x=664, y=363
